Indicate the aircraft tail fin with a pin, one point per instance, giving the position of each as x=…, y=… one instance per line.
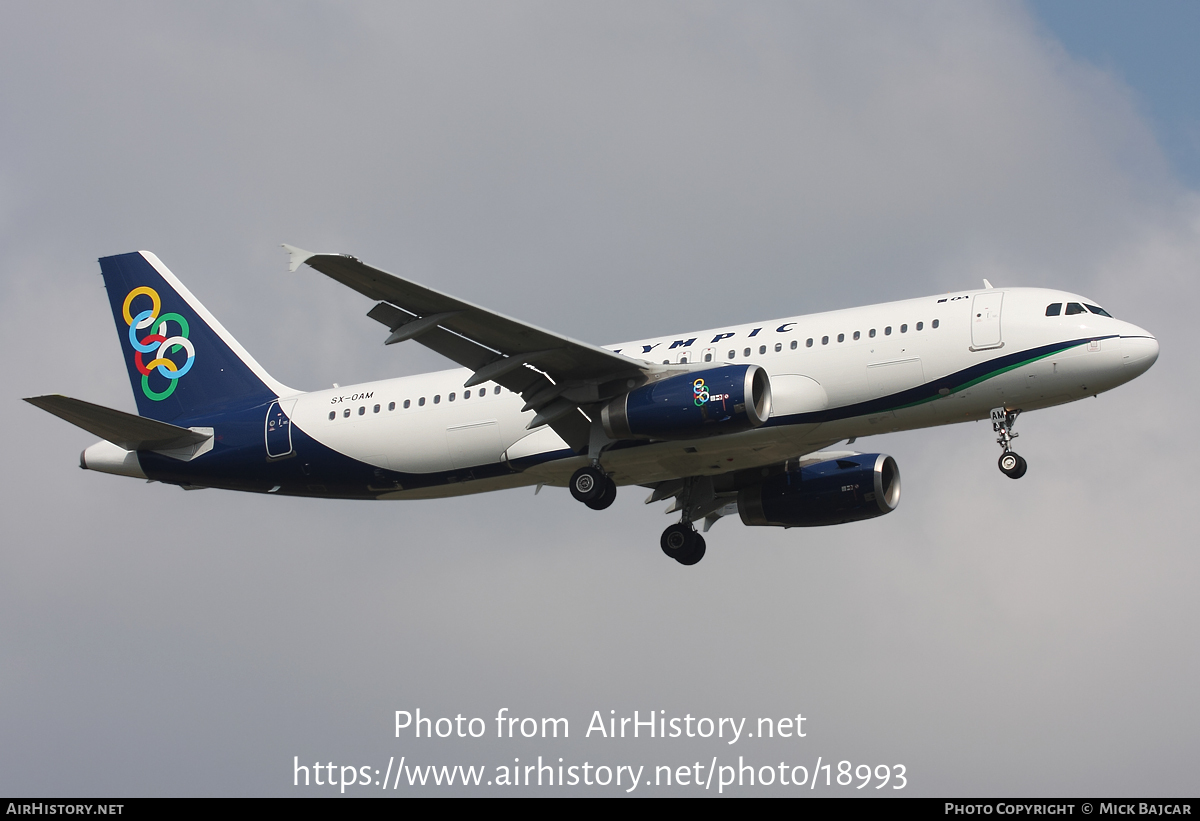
x=180, y=358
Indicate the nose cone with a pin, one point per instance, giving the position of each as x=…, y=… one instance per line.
x=1139, y=352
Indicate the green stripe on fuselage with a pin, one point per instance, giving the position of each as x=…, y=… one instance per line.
x=985, y=377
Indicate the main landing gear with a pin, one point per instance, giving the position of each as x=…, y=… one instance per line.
x=682, y=543
x=694, y=498
x=1011, y=465
x=592, y=486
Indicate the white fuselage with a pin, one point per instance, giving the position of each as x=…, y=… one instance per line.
x=975, y=350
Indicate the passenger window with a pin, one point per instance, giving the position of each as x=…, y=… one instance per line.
x=904, y=329
x=762, y=349
x=887, y=331
x=346, y=413
x=746, y=352
x=437, y=398
x=391, y=406
x=1074, y=308
x=332, y=415
x=857, y=334
x=496, y=390
x=794, y=344
x=421, y=402
x=872, y=334
x=920, y=326
x=1054, y=309
x=450, y=397
x=1096, y=309
x=824, y=340
x=708, y=357
x=407, y=403
x=778, y=347
x=808, y=342
x=733, y=354
x=376, y=409
x=935, y=323
x=841, y=337
x=466, y=394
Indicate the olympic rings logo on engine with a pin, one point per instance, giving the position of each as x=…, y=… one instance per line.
x=159, y=342
x=700, y=390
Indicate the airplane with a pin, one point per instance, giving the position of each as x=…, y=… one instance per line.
x=741, y=419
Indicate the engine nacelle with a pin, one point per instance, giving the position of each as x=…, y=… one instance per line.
x=701, y=403
x=826, y=493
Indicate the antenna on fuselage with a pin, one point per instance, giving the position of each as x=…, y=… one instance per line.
x=988, y=285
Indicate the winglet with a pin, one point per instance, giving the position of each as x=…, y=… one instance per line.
x=296, y=257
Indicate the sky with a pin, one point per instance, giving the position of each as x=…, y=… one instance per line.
x=610, y=171
x=1149, y=48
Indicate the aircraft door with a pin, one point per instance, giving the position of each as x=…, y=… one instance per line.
x=985, y=321
x=278, y=430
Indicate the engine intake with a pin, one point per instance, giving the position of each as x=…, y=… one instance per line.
x=826, y=493
x=701, y=403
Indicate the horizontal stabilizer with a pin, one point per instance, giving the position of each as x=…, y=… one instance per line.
x=125, y=430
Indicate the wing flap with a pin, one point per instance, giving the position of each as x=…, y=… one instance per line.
x=125, y=430
x=574, y=427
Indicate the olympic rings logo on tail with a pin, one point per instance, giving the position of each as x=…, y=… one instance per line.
x=158, y=342
x=701, y=392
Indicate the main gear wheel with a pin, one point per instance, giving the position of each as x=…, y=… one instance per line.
x=682, y=543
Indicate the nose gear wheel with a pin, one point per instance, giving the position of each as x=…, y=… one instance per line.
x=1012, y=465
x=1003, y=420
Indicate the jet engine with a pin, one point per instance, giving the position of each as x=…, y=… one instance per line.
x=826, y=493
x=700, y=403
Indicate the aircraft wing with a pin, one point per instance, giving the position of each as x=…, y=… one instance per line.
x=495, y=347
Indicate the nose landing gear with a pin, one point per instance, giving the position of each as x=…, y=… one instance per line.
x=1003, y=420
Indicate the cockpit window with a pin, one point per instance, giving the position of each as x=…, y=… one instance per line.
x=1096, y=309
x=1074, y=308
x=1054, y=310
